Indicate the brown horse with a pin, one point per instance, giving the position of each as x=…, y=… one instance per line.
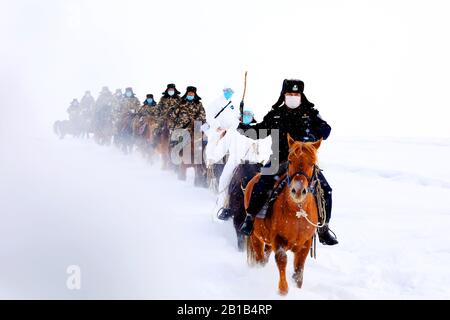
x=76, y=127
x=195, y=159
x=144, y=133
x=124, y=132
x=63, y=128
x=103, y=127
x=164, y=147
x=293, y=221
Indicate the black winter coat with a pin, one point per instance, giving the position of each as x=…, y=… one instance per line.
x=303, y=124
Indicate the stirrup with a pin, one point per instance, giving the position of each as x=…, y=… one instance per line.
x=247, y=226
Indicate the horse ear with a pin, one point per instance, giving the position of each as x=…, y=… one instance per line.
x=290, y=141
x=317, y=144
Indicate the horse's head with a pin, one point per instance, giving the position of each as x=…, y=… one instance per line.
x=302, y=159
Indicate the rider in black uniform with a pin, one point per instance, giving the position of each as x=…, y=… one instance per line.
x=292, y=114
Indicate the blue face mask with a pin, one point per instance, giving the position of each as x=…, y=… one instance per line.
x=246, y=119
x=149, y=100
x=128, y=94
x=228, y=94
x=190, y=98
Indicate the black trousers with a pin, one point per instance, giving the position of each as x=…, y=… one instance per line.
x=262, y=190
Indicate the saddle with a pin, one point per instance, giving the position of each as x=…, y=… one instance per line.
x=280, y=184
x=278, y=187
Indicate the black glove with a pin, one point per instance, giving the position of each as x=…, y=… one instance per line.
x=309, y=137
x=243, y=126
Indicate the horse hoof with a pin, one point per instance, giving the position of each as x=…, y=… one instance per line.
x=298, y=277
x=283, y=292
x=283, y=289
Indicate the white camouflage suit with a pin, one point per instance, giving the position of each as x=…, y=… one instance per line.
x=238, y=147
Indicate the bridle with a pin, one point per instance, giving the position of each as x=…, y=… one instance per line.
x=303, y=173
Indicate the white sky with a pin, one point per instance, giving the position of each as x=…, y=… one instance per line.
x=373, y=68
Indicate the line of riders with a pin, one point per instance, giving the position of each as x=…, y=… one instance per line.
x=231, y=156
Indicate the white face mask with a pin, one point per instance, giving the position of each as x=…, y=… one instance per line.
x=171, y=92
x=293, y=101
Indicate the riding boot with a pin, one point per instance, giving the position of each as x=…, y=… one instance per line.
x=247, y=225
x=326, y=236
x=259, y=204
x=225, y=214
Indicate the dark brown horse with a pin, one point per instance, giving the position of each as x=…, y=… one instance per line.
x=103, y=126
x=124, y=132
x=75, y=127
x=63, y=128
x=294, y=217
x=163, y=147
x=194, y=159
x=144, y=133
x=241, y=176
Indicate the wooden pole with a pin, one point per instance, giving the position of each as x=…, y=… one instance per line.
x=241, y=106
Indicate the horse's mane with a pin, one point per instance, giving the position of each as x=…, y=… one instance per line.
x=305, y=149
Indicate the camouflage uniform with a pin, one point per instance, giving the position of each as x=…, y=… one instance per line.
x=148, y=110
x=185, y=115
x=164, y=111
x=105, y=98
x=103, y=107
x=74, y=109
x=87, y=105
x=116, y=104
x=130, y=105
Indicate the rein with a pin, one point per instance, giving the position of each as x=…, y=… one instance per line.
x=302, y=173
x=314, y=188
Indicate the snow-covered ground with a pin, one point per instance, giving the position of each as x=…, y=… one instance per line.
x=137, y=232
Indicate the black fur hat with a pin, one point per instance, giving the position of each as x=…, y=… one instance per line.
x=292, y=86
x=130, y=89
x=191, y=89
x=105, y=90
x=150, y=96
x=171, y=86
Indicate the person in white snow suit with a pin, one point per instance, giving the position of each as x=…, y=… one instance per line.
x=239, y=149
x=223, y=140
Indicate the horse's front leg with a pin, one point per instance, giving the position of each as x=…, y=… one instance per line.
x=267, y=252
x=300, y=255
x=281, y=259
x=258, y=250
